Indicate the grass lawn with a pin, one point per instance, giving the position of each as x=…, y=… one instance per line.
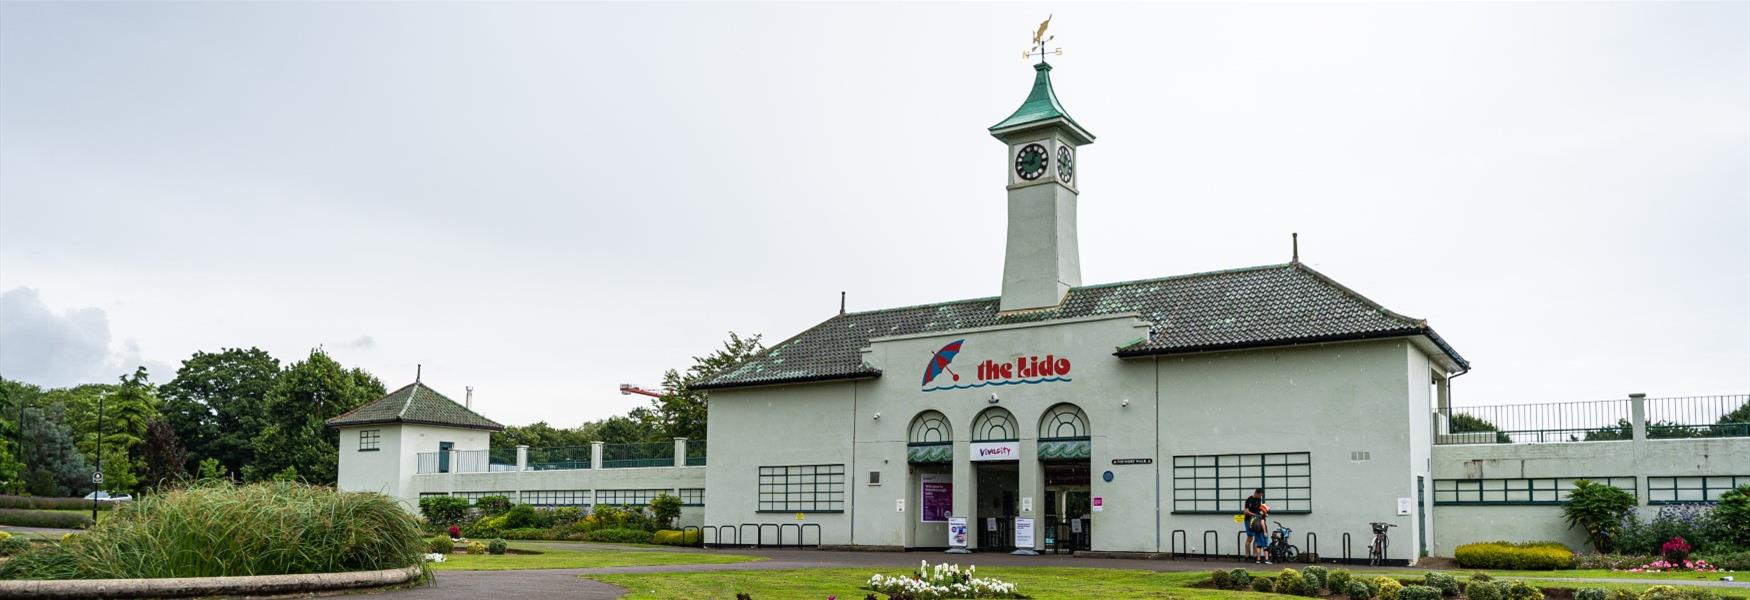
x=579, y=556
x=1034, y=582
x=1557, y=576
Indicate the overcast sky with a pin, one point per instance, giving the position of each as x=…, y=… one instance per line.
x=543, y=200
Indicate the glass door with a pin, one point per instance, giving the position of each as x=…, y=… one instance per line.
x=444, y=456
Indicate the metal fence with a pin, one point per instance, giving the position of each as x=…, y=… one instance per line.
x=1605, y=420
x=651, y=454
x=457, y=461
x=695, y=453
x=559, y=458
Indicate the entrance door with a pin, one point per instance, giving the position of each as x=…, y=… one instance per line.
x=1421, y=518
x=444, y=456
x=998, y=485
x=1067, y=498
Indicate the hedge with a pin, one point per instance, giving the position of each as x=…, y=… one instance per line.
x=670, y=537
x=44, y=518
x=618, y=536
x=50, y=503
x=1531, y=556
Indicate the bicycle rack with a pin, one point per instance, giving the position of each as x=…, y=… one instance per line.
x=1346, y=558
x=701, y=531
x=1176, y=541
x=804, y=527
x=1211, y=543
x=743, y=527
x=781, y=527
x=729, y=529
x=1312, y=547
x=1239, y=545
x=760, y=534
x=715, y=539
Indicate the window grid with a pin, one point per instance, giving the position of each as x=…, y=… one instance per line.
x=802, y=488
x=556, y=497
x=473, y=496
x=1516, y=491
x=692, y=496
x=627, y=497
x=1220, y=483
x=1702, y=489
x=370, y=439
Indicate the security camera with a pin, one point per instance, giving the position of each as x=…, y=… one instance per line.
x=878, y=416
x=993, y=398
x=1125, y=402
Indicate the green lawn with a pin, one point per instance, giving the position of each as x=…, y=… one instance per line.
x=1034, y=582
x=580, y=556
x=1574, y=574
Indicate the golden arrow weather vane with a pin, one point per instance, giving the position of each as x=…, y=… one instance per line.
x=1039, y=40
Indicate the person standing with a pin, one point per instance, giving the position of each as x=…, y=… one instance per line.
x=1255, y=528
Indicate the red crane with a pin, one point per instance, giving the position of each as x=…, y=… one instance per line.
x=627, y=389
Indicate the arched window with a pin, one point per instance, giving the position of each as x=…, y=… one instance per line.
x=1063, y=421
x=995, y=425
x=930, y=427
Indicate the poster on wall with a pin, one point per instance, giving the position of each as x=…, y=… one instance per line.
x=1023, y=533
x=937, y=497
x=956, y=532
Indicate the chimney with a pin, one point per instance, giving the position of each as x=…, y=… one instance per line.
x=469, y=403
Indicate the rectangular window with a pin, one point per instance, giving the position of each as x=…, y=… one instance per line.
x=627, y=497
x=431, y=494
x=473, y=496
x=556, y=497
x=369, y=439
x=1541, y=490
x=692, y=496
x=1691, y=490
x=802, y=488
x=1220, y=483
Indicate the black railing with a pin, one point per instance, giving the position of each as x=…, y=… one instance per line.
x=1599, y=421
x=559, y=458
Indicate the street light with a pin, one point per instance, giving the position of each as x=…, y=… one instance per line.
x=97, y=475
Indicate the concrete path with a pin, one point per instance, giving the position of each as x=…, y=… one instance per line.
x=49, y=532
x=566, y=583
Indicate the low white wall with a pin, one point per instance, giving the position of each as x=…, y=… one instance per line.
x=516, y=482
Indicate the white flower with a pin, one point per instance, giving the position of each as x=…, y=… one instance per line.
x=434, y=557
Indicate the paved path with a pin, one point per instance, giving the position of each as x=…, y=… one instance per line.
x=51, y=532
x=554, y=584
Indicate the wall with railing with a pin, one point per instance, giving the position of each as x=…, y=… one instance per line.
x=598, y=455
x=1636, y=417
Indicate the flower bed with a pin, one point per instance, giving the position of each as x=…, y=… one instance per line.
x=942, y=581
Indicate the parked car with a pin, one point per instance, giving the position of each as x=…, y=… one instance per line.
x=102, y=496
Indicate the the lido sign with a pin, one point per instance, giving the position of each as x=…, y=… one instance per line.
x=1024, y=370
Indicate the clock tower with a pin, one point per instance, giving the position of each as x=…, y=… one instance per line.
x=1042, y=262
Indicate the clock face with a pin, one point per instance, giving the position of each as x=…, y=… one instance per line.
x=1065, y=163
x=1030, y=162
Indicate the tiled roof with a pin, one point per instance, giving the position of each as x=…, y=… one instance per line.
x=1041, y=106
x=1256, y=307
x=415, y=403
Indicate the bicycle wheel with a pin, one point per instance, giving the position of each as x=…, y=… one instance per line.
x=1288, y=553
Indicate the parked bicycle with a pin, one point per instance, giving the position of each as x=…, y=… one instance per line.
x=1376, y=552
x=1280, y=550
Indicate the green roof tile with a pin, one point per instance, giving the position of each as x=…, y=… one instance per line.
x=415, y=403
x=1041, y=106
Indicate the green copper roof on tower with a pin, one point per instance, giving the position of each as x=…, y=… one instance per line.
x=1041, y=106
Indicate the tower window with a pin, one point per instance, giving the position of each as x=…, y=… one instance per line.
x=370, y=439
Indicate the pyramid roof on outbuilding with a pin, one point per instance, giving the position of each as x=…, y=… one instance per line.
x=415, y=403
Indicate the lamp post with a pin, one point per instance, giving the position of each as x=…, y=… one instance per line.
x=97, y=475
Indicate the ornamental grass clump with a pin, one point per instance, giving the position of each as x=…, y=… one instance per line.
x=217, y=529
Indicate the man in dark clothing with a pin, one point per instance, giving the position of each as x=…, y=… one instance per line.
x=1255, y=527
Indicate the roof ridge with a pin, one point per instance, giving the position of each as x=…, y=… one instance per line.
x=1183, y=276
x=410, y=396
x=1327, y=280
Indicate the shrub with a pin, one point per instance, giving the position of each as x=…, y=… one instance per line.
x=440, y=544
x=529, y=533
x=1262, y=584
x=1241, y=578
x=1447, y=584
x=497, y=546
x=1480, y=576
x=523, y=516
x=1612, y=561
x=1481, y=589
x=1599, y=510
x=1419, y=592
x=673, y=537
x=1219, y=578
x=1338, y=581
x=1520, y=590
x=1358, y=591
x=664, y=510
x=50, y=503
x=492, y=506
x=1732, y=516
x=214, y=529
x=1731, y=561
x=443, y=510
x=1591, y=594
x=1661, y=592
x=566, y=515
x=1289, y=582
x=1316, y=575
x=44, y=518
x=1675, y=550
x=476, y=548
x=1533, y=556
x=1388, y=588
x=618, y=536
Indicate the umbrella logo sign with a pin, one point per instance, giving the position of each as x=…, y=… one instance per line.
x=1021, y=370
x=939, y=362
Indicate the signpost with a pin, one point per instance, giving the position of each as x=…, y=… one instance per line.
x=1024, y=537
x=957, y=535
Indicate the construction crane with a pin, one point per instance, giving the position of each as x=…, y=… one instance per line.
x=627, y=389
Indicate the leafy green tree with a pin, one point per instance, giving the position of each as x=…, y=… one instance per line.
x=665, y=508
x=681, y=411
x=56, y=467
x=217, y=403
x=118, y=472
x=1600, y=510
x=162, y=455
x=1733, y=516
x=14, y=397
x=211, y=469
x=305, y=395
x=1735, y=423
x=1468, y=423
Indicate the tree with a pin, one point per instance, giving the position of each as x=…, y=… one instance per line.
x=1468, y=423
x=163, y=455
x=304, y=396
x=665, y=508
x=57, y=468
x=217, y=403
x=681, y=411
x=211, y=469
x=1735, y=423
x=14, y=397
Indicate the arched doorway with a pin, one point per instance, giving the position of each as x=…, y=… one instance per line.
x=996, y=474
x=929, y=453
x=1065, y=448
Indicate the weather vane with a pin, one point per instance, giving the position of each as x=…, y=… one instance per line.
x=1039, y=40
